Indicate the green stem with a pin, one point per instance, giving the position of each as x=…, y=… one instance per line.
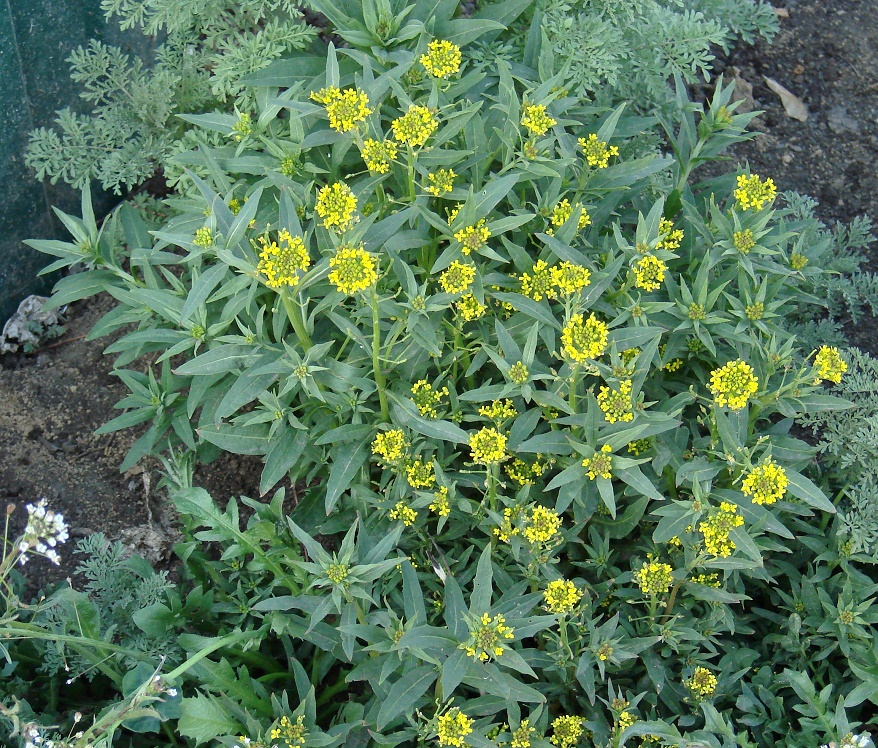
x=574, y=382
x=294, y=313
x=380, y=381
x=410, y=166
x=670, y=604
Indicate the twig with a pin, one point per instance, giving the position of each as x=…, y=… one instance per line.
x=60, y=342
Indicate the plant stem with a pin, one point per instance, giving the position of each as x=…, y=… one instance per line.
x=294, y=313
x=380, y=382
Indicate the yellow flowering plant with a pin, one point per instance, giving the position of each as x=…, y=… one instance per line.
x=540, y=441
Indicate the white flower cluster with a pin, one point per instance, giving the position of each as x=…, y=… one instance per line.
x=34, y=739
x=44, y=531
x=863, y=740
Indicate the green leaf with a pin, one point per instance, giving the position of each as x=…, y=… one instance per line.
x=345, y=459
x=243, y=440
x=803, y=488
x=80, y=286
x=205, y=719
x=405, y=693
x=219, y=360
x=283, y=454
x=533, y=309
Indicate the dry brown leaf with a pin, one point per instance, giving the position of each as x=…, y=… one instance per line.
x=781, y=12
x=792, y=104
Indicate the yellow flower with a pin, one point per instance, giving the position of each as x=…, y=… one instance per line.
x=378, y=154
x=766, y=483
x=600, y=465
x=584, y=340
x=535, y=119
x=626, y=719
x=518, y=373
x=561, y=596
x=567, y=731
x=420, y=474
x=442, y=59
x=345, y=109
x=570, y=278
x=733, y=384
x=638, y=446
x=415, y=126
x=522, y=734
x=596, y=151
x=561, y=214
x=473, y=237
x=453, y=727
x=336, y=205
x=440, y=503
x=203, y=237
x=540, y=284
x=488, y=446
x=654, y=578
x=457, y=278
x=754, y=312
x=354, y=269
x=649, y=273
x=669, y=237
x=469, y=307
x=616, y=404
x=281, y=261
x=743, y=241
x=235, y=205
x=337, y=573
x=716, y=528
x=293, y=733
x=486, y=637
x=243, y=127
x=403, y=513
x=441, y=181
x=751, y=192
x=542, y=525
x=798, y=261
x=829, y=363
x=426, y=398
x=390, y=445
x=702, y=683
x=498, y=410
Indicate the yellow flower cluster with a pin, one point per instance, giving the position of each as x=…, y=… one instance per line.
x=596, y=151
x=243, y=127
x=766, y=483
x=535, y=119
x=472, y=238
x=567, y=731
x=600, y=465
x=830, y=365
x=707, y=580
x=469, y=307
x=654, y=578
x=440, y=503
x=203, y=237
x=378, y=154
x=345, y=109
x=616, y=404
x=426, y=398
x=798, y=261
x=293, y=733
x=506, y=529
x=561, y=214
x=486, y=639
x=403, y=513
x=743, y=241
x=570, y=278
x=638, y=446
x=649, y=273
x=518, y=373
x=442, y=59
x=420, y=474
x=415, y=126
x=702, y=683
x=337, y=573
x=625, y=720
x=353, y=269
x=716, y=528
x=453, y=727
x=754, y=311
x=336, y=205
x=561, y=596
x=498, y=410
x=584, y=340
x=752, y=192
x=542, y=525
x=441, y=181
x=390, y=445
x=733, y=384
x=280, y=261
x=548, y=282
x=457, y=278
x=235, y=205
x=524, y=474
x=488, y=446
x=669, y=237
x=522, y=734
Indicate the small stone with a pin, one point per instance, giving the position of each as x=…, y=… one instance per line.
x=840, y=121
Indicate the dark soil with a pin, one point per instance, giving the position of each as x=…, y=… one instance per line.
x=52, y=401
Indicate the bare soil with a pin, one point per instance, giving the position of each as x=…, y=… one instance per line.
x=52, y=401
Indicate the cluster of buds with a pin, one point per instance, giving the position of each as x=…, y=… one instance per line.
x=45, y=530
